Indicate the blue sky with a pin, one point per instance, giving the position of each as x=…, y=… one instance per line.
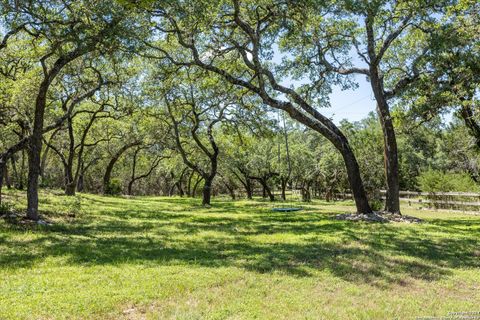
x=353, y=105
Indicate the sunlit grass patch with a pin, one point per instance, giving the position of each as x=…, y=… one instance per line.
x=158, y=257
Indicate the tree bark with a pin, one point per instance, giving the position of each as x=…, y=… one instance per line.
x=249, y=188
x=195, y=186
x=8, y=182
x=306, y=194
x=35, y=145
x=266, y=189
x=16, y=180
x=189, y=183
x=284, y=182
x=80, y=183
x=35, y=148
x=134, y=177
x=3, y=165
x=207, y=192
x=207, y=174
x=108, y=171
x=468, y=117
x=231, y=191
x=392, y=201
x=246, y=182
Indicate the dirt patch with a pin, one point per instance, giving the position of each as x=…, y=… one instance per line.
x=382, y=217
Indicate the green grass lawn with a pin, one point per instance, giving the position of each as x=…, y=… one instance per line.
x=169, y=258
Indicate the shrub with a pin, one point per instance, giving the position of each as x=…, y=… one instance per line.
x=5, y=208
x=114, y=187
x=439, y=181
x=73, y=205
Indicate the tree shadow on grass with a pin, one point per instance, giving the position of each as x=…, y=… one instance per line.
x=258, y=240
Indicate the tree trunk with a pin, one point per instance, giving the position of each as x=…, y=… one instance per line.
x=194, y=191
x=232, y=192
x=247, y=184
x=181, y=193
x=468, y=117
x=3, y=165
x=15, y=172
x=21, y=173
x=70, y=183
x=266, y=189
x=189, y=183
x=80, y=183
x=172, y=188
x=306, y=195
x=249, y=189
x=392, y=202
x=35, y=150
x=207, y=192
x=8, y=182
x=284, y=182
x=355, y=179
x=130, y=187
x=43, y=163
x=108, y=171
x=329, y=130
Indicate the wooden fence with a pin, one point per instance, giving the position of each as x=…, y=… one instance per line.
x=462, y=201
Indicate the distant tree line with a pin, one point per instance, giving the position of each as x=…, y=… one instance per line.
x=189, y=98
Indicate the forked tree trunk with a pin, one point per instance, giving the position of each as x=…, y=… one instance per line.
x=266, y=189
x=108, y=171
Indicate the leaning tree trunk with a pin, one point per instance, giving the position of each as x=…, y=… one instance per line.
x=271, y=196
x=392, y=201
x=354, y=178
x=231, y=191
x=266, y=189
x=108, y=171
